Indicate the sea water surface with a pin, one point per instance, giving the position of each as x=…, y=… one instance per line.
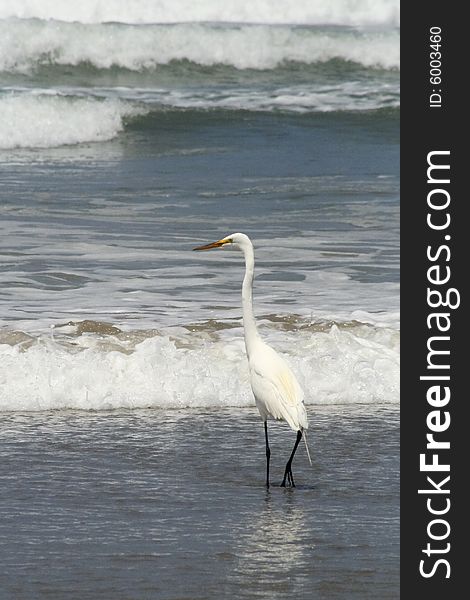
x=170, y=504
x=130, y=133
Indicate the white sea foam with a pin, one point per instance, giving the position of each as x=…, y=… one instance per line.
x=347, y=96
x=41, y=120
x=24, y=45
x=175, y=369
x=338, y=12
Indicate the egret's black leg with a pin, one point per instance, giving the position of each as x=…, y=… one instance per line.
x=288, y=472
x=268, y=452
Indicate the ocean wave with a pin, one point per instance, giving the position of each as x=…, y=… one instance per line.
x=93, y=366
x=46, y=120
x=41, y=119
x=338, y=12
x=26, y=45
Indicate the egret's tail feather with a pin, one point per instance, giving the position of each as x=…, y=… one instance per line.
x=306, y=447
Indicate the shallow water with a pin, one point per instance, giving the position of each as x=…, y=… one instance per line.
x=172, y=505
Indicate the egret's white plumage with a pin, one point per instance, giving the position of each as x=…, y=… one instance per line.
x=277, y=392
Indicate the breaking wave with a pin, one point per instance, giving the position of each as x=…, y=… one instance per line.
x=95, y=366
x=27, y=44
x=46, y=120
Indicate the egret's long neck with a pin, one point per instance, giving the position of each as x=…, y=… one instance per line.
x=249, y=323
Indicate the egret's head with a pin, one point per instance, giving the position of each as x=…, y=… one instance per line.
x=236, y=240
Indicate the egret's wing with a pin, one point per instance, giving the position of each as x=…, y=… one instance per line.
x=277, y=390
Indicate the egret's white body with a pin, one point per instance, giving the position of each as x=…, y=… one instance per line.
x=277, y=392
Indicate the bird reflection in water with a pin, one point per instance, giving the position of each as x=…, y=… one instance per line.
x=273, y=555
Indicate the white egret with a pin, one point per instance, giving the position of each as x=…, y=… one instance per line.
x=277, y=392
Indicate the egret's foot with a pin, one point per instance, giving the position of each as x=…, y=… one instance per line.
x=289, y=477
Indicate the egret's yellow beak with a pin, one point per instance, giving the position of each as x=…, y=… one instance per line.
x=214, y=244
